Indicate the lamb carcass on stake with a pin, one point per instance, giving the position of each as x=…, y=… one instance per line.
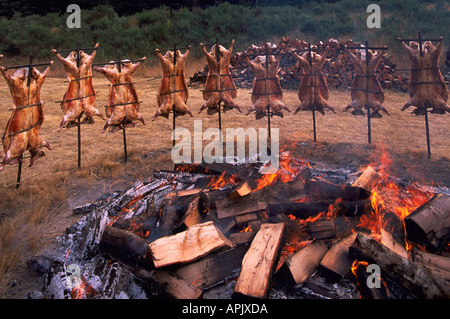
x=24, y=125
x=266, y=86
x=123, y=101
x=219, y=86
x=360, y=98
x=80, y=95
x=313, y=89
x=426, y=84
x=172, y=93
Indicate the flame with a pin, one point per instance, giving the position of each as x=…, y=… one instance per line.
x=387, y=196
x=287, y=172
x=356, y=264
x=82, y=290
x=222, y=181
x=247, y=229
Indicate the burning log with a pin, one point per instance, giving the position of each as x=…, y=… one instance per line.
x=259, y=261
x=300, y=266
x=213, y=269
x=325, y=190
x=368, y=179
x=372, y=292
x=176, y=286
x=439, y=265
x=337, y=262
x=258, y=200
x=124, y=246
x=187, y=246
x=429, y=225
x=242, y=237
x=309, y=209
x=413, y=276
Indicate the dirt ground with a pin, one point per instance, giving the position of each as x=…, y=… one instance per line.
x=32, y=216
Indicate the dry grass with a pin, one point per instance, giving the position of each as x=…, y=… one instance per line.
x=33, y=215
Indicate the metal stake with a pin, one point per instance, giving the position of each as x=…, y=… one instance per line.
x=19, y=172
x=218, y=82
x=313, y=107
x=428, y=133
x=124, y=141
x=420, y=40
x=79, y=140
x=369, y=130
x=173, y=106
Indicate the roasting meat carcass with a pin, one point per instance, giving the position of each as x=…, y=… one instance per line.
x=172, y=93
x=123, y=101
x=426, y=84
x=24, y=125
x=266, y=86
x=219, y=85
x=313, y=89
x=360, y=98
x=80, y=95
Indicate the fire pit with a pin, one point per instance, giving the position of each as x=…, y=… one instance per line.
x=224, y=230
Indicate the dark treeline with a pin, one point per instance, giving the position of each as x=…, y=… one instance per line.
x=138, y=34
x=126, y=7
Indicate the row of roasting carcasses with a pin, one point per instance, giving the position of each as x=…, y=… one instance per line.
x=427, y=89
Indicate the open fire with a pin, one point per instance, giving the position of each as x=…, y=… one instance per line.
x=196, y=231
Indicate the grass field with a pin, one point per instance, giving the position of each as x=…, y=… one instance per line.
x=32, y=216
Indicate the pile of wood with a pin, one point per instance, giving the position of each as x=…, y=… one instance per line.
x=339, y=70
x=205, y=225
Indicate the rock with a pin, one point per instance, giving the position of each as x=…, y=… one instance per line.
x=39, y=264
x=35, y=295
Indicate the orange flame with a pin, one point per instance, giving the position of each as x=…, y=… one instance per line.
x=221, y=181
x=286, y=173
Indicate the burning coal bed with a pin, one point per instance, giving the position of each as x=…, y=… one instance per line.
x=226, y=231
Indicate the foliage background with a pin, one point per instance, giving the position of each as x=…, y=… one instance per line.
x=138, y=27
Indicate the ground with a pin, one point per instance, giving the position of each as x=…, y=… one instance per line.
x=32, y=216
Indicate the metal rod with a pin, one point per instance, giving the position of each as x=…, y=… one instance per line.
x=313, y=107
x=265, y=85
x=218, y=84
x=19, y=171
x=78, y=54
x=173, y=106
x=115, y=62
x=70, y=50
x=79, y=140
x=26, y=66
x=428, y=134
x=119, y=62
x=124, y=140
x=369, y=129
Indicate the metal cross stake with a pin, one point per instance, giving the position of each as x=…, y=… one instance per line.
x=310, y=50
x=119, y=68
x=77, y=50
x=427, y=129
x=30, y=66
x=366, y=90
x=219, y=75
x=172, y=76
